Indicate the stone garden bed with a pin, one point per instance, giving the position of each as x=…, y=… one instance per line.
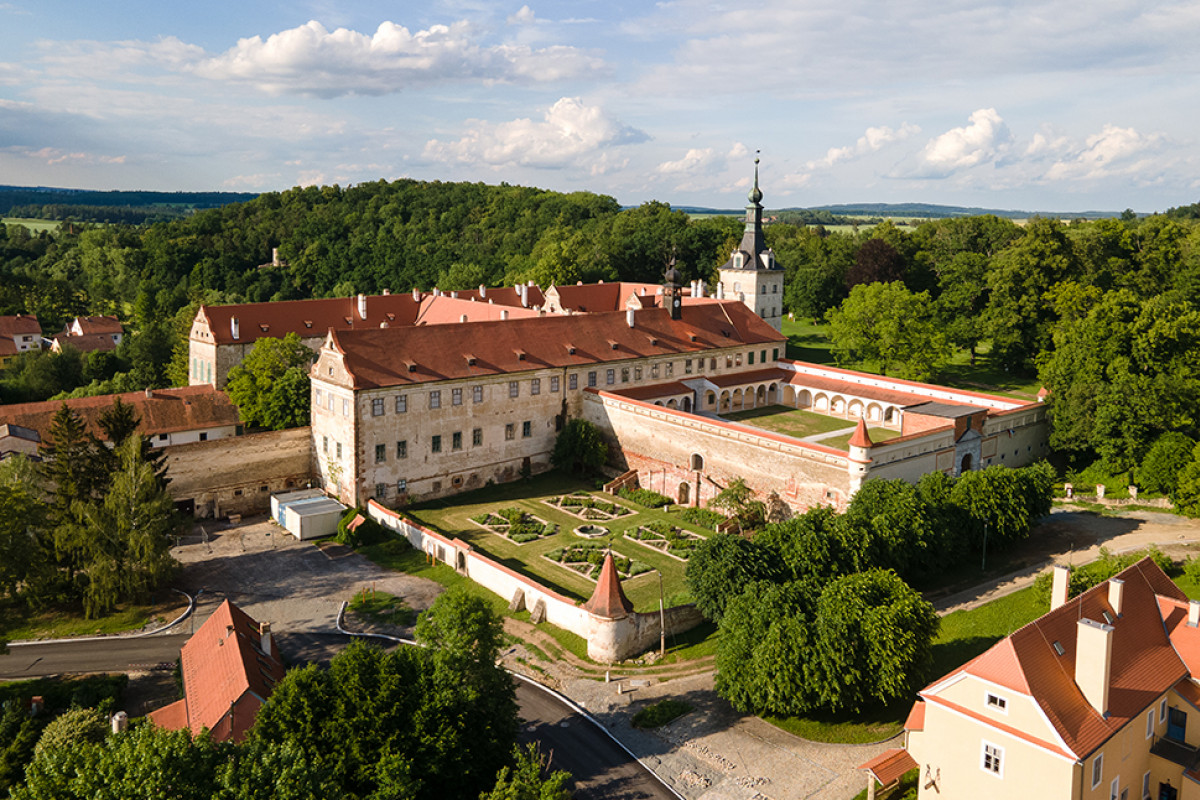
x=587, y=506
x=665, y=538
x=515, y=525
x=586, y=559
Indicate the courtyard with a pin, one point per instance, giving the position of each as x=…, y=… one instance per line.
x=830, y=431
x=564, y=521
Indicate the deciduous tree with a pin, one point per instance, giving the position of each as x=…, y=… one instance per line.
x=271, y=385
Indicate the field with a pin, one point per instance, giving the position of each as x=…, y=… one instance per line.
x=527, y=558
x=34, y=225
x=808, y=341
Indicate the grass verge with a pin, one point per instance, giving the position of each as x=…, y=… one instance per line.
x=382, y=608
x=19, y=622
x=661, y=713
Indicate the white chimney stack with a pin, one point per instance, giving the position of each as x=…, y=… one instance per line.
x=1061, y=586
x=416, y=294
x=629, y=317
x=1194, y=613
x=462, y=318
x=482, y=290
x=234, y=328
x=275, y=256
x=386, y=292
x=362, y=306
x=454, y=295
x=264, y=635
x=1116, y=595
x=1093, y=662
x=720, y=291
x=504, y=313
x=703, y=289
x=120, y=721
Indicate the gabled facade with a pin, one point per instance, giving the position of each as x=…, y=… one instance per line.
x=1097, y=699
x=18, y=334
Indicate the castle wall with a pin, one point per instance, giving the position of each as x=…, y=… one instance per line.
x=238, y=475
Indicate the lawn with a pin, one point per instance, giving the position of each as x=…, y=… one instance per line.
x=18, y=622
x=790, y=421
x=34, y=225
x=808, y=341
x=643, y=590
x=877, y=435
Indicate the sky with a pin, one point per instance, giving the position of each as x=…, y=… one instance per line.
x=1048, y=105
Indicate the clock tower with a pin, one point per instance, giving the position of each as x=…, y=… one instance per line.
x=752, y=275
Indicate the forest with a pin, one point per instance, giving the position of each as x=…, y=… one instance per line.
x=1104, y=313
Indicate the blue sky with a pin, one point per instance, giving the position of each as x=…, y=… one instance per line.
x=1046, y=105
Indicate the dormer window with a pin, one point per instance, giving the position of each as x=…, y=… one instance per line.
x=612, y=344
x=470, y=360
x=520, y=355
x=1108, y=618
x=738, y=261
x=1058, y=648
x=570, y=349
x=997, y=703
x=308, y=323
x=264, y=327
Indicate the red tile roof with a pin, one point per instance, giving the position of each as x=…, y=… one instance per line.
x=165, y=411
x=608, y=600
x=860, y=437
x=7, y=346
x=593, y=297
x=504, y=296
x=226, y=676
x=306, y=318
x=20, y=325
x=1144, y=662
x=918, y=389
x=888, y=766
x=171, y=717
x=445, y=310
x=87, y=342
x=742, y=378
x=916, y=717
x=818, y=383
x=102, y=324
x=377, y=358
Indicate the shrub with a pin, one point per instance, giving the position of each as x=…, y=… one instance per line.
x=661, y=713
x=368, y=531
x=702, y=517
x=1160, y=469
x=645, y=497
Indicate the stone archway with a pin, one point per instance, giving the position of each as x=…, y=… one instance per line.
x=672, y=404
x=789, y=396
x=821, y=403
x=684, y=493
x=773, y=393
x=805, y=400
x=760, y=397
x=965, y=465
x=686, y=404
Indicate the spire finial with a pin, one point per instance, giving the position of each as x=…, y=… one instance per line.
x=755, y=195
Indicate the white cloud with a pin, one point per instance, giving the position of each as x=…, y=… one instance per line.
x=312, y=60
x=874, y=139
x=51, y=156
x=983, y=139
x=1113, y=151
x=693, y=161
x=569, y=133
x=524, y=16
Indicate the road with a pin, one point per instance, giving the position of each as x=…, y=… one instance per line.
x=600, y=768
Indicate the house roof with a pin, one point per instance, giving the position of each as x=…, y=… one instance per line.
x=7, y=346
x=20, y=325
x=407, y=356
x=226, y=674
x=101, y=324
x=916, y=717
x=163, y=411
x=17, y=432
x=945, y=410
x=504, y=295
x=87, y=342
x=1145, y=663
x=608, y=600
x=888, y=766
x=860, y=437
x=306, y=318
x=589, y=298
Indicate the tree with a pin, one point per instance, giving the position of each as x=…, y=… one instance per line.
x=73, y=727
x=119, y=422
x=738, y=501
x=722, y=565
x=875, y=262
x=1161, y=468
x=887, y=324
x=886, y=517
x=271, y=385
x=874, y=641
x=815, y=546
x=525, y=781
x=579, y=448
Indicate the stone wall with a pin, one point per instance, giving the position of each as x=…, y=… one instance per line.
x=238, y=475
x=609, y=640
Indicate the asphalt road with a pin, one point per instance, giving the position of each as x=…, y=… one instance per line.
x=601, y=770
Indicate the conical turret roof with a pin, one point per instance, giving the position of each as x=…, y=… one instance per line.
x=861, y=438
x=608, y=600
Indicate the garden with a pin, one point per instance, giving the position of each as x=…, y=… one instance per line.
x=665, y=538
x=586, y=558
x=586, y=505
x=515, y=524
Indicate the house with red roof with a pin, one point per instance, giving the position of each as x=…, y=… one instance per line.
x=1099, y=698
x=18, y=334
x=230, y=667
x=90, y=334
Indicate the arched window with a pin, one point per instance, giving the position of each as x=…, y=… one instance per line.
x=737, y=262
x=697, y=462
x=737, y=286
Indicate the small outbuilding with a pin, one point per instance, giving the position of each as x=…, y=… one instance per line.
x=280, y=502
x=313, y=518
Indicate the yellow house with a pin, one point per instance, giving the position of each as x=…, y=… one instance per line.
x=1097, y=699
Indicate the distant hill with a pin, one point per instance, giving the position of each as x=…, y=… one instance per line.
x=910, y=210
x=45, y=202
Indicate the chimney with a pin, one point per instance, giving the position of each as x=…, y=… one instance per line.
x=149, y=393
x=1116, y=595
x=462, y=318
x=1093, y=662
x=274, y=262
x=482, y=291
x=387, y=292
x=264, y=638
x=524, y=296
x=629, y=317
x=454, y=295
x=120, y=721
x=234, y=328
x=720, y=291
x=1061, y=586
x=703, y=289
x=1194, y=613
x=362, y=306
x=416, y=295
x=504, y=313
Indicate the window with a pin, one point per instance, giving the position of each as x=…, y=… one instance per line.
x=572, y=382
x=317, y=394
x=1162, y=711
x=997, y=703
x=402, y=449
x=535, y=386
x=1097, y=770
x=401, y=486
x=687, y=367
x=526, y=429
x=380, y=490
x=554, y=383
x=514, y=388
x=204, y=437
x=763, y=357
x=510, y=431
x=775, y=288
x=591, y=379
x=728, y=361
x=670, y=368
x=775, y=354
x=637, y=373
x=751, y=363
x=993, y=759
x=654, y=370
x=712, y=365
x=1114, y=789
x=737, y=359
x=624, y=374
x=162, y=437
x=699, y=365
x=325, y=444
x=1146, y=785
x=338, y=447
x=456, y=440
x=377, y=407
x=435, y=399
x=456, y=397
x=345, y=406
x=435, y=444
x=401, y=404
x=477, y=437
x=477, y=394
x=1150, y=724
x=330, y=401
x=764, y=291
x=610, y=376
x=380, y=454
